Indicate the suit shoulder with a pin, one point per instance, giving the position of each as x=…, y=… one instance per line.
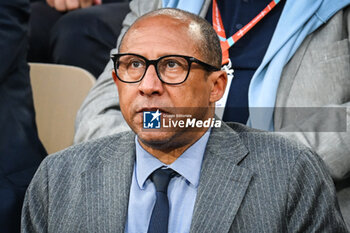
x=270, y=143
x=89, y=152
x=274, y=154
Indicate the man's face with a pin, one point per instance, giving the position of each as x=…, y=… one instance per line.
x=152, y=38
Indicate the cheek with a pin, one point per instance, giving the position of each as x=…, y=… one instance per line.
x=121, y=95
x=125, y=99
x=198, y=93
x=126, y=92
x=195, y=96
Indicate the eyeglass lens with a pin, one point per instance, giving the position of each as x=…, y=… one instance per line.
x=172, y=69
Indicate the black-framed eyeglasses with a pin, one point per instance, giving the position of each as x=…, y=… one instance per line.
x=171, y=69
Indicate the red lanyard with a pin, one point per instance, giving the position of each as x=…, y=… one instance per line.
x=219, y=28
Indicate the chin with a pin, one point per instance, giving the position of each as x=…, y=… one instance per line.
x=153, y=136
x=156, y=139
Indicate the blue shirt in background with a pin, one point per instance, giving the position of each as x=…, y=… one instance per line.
x=247, y=54
x=182, y=189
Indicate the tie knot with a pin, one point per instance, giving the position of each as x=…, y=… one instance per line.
x=161, y=178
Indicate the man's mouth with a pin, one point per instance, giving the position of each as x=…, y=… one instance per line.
x=152, y=109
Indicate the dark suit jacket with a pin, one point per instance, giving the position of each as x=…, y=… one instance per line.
x=20, y=149
x=250, y=181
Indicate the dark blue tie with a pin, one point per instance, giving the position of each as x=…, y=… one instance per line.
x=160, y=213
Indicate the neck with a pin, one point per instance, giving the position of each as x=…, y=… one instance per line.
x=168, y=155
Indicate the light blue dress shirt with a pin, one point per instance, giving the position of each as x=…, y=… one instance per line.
x=182, y=189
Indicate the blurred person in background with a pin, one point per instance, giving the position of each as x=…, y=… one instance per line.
x=75, y=32
x=20, y=148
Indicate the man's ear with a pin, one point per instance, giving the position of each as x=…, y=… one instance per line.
x=219, y=81
x=114, y=77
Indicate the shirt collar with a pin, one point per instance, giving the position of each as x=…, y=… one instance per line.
x=187, y=165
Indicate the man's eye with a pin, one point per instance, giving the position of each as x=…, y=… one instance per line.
x=136, y=64
x=172, y=64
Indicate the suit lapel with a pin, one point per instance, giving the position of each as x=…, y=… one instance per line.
x=106, y=186
x=286, y=82
x=223, y=183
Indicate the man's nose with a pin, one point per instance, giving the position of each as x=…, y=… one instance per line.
x=151, y=84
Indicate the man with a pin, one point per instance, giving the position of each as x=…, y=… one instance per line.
x=295, y=58
x=222, y=179
x=20, y=148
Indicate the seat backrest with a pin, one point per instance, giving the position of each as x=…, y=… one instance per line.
x=58, y=92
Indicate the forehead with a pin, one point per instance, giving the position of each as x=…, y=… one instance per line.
x=161, y=35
